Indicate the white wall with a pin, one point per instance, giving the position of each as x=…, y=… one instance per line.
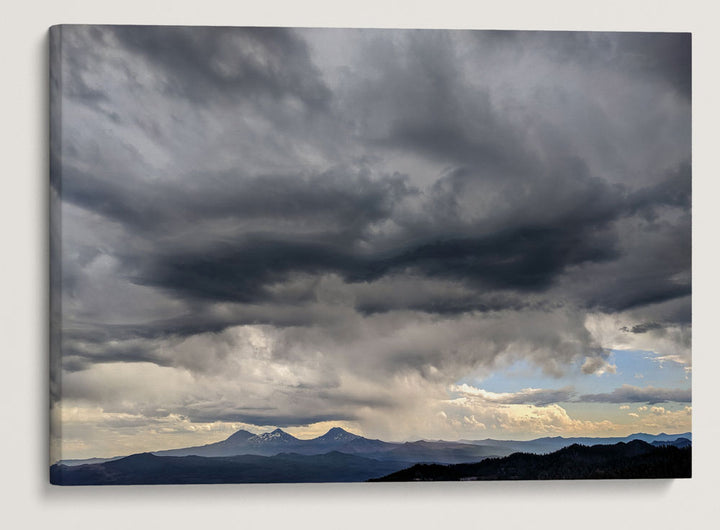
x=27, y=500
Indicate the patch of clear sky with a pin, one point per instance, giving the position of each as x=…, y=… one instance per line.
x=633, y=367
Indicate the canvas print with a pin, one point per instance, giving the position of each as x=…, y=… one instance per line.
x=342, y=255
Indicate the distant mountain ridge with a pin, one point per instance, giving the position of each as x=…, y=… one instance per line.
x=678, y=442
x=278, y=441
x=635, y=459
x=551, y=444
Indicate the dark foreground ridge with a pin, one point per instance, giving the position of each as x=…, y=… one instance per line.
x=635, y=459
x=146, y=468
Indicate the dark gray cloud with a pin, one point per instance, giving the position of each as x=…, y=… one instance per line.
x=664, y=57
x=633, y=394
x=376, y=204
x=542, y=397
x=550, y=213
x=527, y=259
x=653, y=266
x=295, y=412
x=643, y=328
x=340, y=212
x=339, y=209
x=538, y=397
x=271, y=417
x=344, y=201
x=205, y=63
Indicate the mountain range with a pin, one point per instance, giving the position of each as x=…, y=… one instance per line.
x=336, y=439
x=278, y=441
x=633, y=459
x=341, y=456
x=551, y=444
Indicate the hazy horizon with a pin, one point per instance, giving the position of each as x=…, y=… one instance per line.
x=310, y=438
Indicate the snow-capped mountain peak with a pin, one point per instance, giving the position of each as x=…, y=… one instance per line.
x=278, y=435
x=336, y=434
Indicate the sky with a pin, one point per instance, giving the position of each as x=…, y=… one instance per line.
x=410, y=234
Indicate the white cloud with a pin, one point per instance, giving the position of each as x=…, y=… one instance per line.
x=537, y=396
x=524, y=420
x=670, y=343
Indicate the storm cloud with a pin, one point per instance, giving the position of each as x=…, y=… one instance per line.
x=370, y=215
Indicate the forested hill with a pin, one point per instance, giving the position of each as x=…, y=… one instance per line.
x=635, y=459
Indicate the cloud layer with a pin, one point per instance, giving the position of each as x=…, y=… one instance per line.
x=329, y=224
